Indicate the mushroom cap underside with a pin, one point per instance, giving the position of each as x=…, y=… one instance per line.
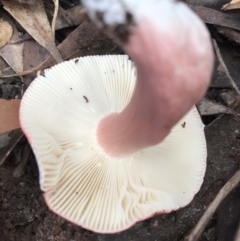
x=59, y=114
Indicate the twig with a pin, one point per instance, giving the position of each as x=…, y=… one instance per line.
x=25, y=72
x=225, y=190
x=237, y=238
x=56, y=3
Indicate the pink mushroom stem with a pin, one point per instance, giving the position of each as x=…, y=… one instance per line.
x=174, y=66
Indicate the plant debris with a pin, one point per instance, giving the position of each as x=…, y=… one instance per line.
x=5, y=32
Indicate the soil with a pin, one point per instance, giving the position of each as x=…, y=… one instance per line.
x=24, y=215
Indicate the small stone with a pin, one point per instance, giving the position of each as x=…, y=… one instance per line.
x=22, y=184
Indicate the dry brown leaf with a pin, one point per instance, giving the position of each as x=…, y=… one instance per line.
x=9, y=115
x=34, y=54
x=19, y=170
x=85, y=40
x=34, y=20
x=16, y=36
x=65, y=18
x=3, y=65
x=234, y=4
x=231, y=34
x=229, y=97
x=75, y=15
x=5, y=32
x=12, y=54
x=215, y=17
x=30, y=2
x=209, y=107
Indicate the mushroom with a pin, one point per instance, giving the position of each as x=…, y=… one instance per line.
x=116, y=143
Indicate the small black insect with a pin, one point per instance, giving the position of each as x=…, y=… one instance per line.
x=86, y=99
x=183, y=124
x=76, y=61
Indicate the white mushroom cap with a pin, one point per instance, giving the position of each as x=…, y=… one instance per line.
x=59, y=114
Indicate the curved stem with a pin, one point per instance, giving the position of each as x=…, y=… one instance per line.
x=173, y=73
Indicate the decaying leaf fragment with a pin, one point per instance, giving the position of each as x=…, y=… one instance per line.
x=214, y=17
x=30, y=2
x=229, y=97
x=12, y=53
x=8, y=141
x=234, y=4
x=9, y=115
x=5, y=32
x=85, y=40
x=208, y=107
x=34, y=20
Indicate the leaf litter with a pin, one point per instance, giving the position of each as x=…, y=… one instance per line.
x=11, y=52
x=36, y=35
x=5, y=32
x=34, y=20
x=234, y=4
